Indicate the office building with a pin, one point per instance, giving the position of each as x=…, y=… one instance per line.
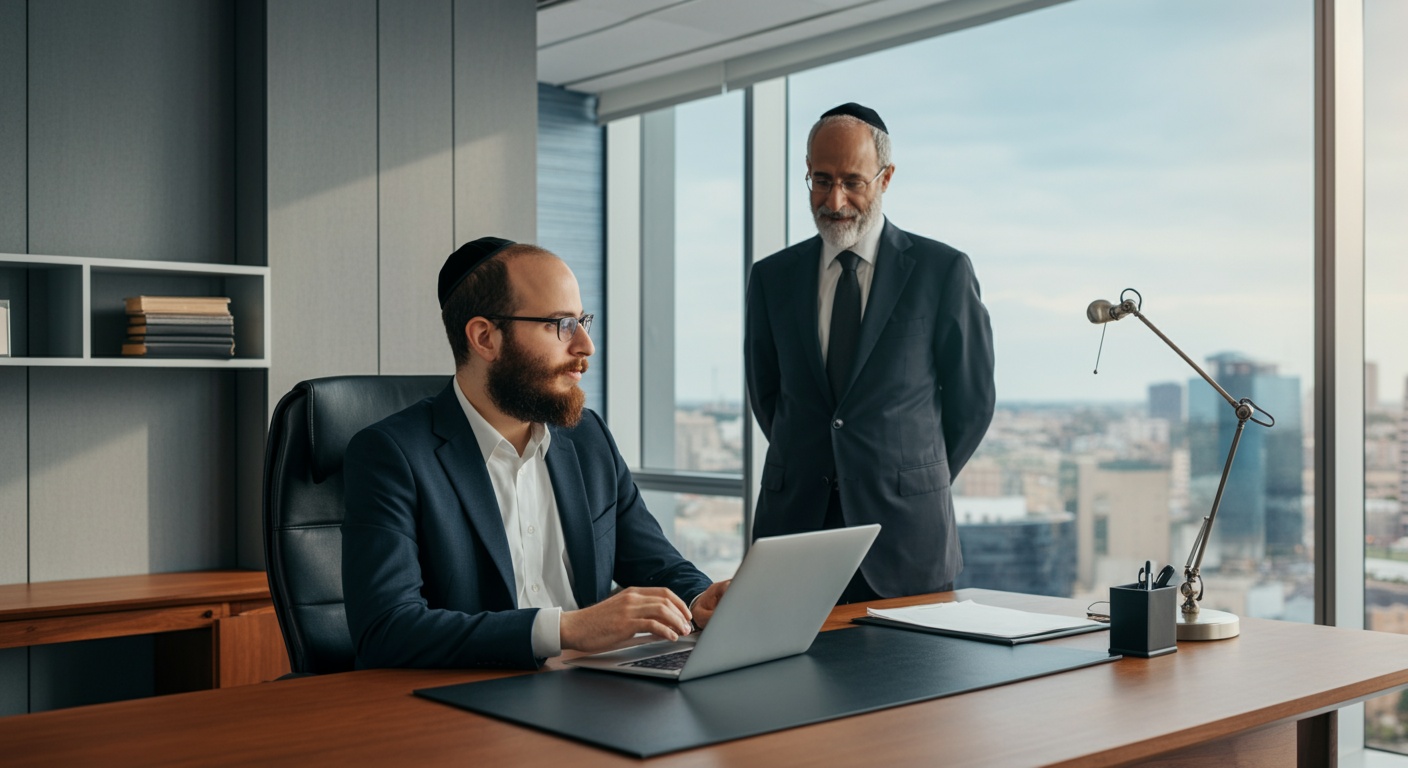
x=1262, y=513
x=1122, y=519
x=1166, y=402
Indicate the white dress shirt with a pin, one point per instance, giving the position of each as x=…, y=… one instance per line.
x=868, y=249
x=542, y=573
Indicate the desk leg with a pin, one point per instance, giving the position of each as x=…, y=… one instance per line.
x=1317, y=741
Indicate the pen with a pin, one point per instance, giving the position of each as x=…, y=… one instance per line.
x=1148, y=574
x=1165, y=576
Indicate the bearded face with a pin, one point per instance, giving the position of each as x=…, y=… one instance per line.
x=529, y=388
x=843, y=227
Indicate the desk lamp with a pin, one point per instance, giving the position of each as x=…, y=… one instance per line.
x=1193, y=622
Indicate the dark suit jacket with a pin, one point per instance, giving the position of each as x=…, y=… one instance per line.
x=919, y=401
x=426, y=570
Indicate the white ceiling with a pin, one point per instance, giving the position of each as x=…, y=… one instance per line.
x=596, y=45
x=647, y=53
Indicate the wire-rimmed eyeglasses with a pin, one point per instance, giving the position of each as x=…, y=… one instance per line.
x=566, y=326
x=823, y=183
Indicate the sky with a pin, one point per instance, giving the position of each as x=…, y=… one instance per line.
x=1164, y=145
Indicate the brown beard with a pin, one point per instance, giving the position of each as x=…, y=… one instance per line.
x=519, y=384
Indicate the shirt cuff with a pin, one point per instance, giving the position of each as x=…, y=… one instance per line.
x=547, y=633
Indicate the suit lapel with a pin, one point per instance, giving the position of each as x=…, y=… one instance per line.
x=463, y=463
x=892, y=267
x=570, y=492
x=804, y=308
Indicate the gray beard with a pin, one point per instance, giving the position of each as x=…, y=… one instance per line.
x=843, y=235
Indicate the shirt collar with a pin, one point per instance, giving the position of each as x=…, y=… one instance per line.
x=867, y=249
x=489, y=438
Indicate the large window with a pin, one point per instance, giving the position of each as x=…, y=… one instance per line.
x=1386, y=373
x=688, y=277
x=1077, y=151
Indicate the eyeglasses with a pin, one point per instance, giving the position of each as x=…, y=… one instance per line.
x=824, y=184
x=566, y=326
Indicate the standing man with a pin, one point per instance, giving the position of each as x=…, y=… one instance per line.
x=870, y=369
x=485, y=526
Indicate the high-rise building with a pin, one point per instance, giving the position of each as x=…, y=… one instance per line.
x=1262, y=513
x=1166, y=402
x=1122, y=518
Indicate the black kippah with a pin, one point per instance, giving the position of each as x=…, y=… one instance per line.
x=464, y=260
x=864, y=114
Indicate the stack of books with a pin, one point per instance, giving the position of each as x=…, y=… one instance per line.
x=180, y=326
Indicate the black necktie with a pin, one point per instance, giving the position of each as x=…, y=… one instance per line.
x=845, y=325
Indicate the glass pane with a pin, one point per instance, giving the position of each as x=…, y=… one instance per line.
x=709, y=284
x=707, y=530
x=1386, y=372
x=1076, y=151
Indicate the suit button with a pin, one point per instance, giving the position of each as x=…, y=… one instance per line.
x=837, y=424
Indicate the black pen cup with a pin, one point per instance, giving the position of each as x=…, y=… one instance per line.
x=1143, y=622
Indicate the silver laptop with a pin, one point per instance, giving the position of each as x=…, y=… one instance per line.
x=781, y=595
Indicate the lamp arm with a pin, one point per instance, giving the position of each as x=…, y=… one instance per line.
x=1246, y=409
x=1128, y=306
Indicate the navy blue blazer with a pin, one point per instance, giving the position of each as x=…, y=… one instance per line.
x=919, y=401
x=426, y=571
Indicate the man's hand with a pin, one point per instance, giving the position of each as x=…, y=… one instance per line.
x=618, y=618
x=707, y=602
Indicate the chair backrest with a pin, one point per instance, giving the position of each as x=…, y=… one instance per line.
x=303, y=509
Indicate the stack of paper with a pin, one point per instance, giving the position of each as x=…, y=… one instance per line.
x=981, y=622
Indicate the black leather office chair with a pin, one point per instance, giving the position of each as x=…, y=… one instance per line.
x=303, y=509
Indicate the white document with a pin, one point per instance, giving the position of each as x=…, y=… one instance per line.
x=969, y=617
x=4, y=329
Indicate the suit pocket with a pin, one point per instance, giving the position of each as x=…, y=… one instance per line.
x=603, y=526
x=772, y=477
x=925, y=479
x=609, y=512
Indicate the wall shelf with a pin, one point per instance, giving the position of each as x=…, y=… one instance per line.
x=69, y=311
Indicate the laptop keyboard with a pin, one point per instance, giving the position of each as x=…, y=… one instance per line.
x=674, y=660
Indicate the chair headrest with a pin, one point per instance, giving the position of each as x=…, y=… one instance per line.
x=341, y=406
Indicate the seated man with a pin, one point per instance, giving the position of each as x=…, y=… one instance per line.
x=485, y=525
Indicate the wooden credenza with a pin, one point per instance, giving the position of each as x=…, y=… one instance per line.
x=212, y=629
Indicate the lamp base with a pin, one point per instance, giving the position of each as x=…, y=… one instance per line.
x=1208, y=625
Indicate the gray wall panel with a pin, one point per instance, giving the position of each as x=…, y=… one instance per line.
x=251, y=156
x=417, y=182
x=572, y=207
x=91, y=672
x=13, y=196
x=14, y=480
x=130, y=471
x=322, y=189
x=251, y=434
x=132, y=129
x=496, y=111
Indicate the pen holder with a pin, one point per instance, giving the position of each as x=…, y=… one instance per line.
x=1143, y=622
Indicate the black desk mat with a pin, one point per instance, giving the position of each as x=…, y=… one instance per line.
x=846, y=672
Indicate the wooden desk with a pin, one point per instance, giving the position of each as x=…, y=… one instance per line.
x=1203, y=705
x=217, y=627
